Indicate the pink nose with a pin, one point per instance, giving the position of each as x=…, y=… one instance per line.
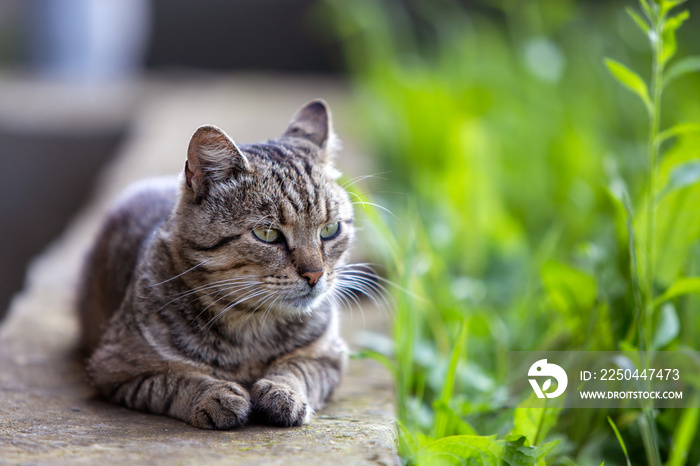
x=312, y=277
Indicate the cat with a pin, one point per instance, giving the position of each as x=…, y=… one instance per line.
x=212, y=298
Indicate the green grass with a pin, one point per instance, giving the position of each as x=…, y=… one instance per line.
x=544, y=208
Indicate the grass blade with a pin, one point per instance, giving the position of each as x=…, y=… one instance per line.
x=643, y=25
x=684, y=434
x=684, y=285
x=442, y=418
x=619, y=439
x=650, y=437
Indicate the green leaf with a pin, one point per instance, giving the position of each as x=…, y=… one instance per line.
x=535, y=422
x=683, y=175
x=627, y=346
x=453, y=423
x=647, y=9
x=677, y=130
x=385, y=360
x=568, y=289
x=667, y=328
x=619, y=439
x=630, y=80
x=684, y=434
x=670, y=45
x=684, y=285
x=475, y=450
x=516, y=453
x=668, y=5
x=643, y=25
x=407, y=442
x=461, y=449
x=680, y=68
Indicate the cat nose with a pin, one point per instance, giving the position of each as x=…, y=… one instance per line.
x=312, y=277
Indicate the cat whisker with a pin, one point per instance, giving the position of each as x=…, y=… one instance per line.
x=365, y=266
x=357, y=179
x=218, y=284
x=250, y=313
x=368, y=265
x=352, y=297
x=366, y=203
x=367, y=282
x=365, y=269
x=363, y=279
x=366, y=275
x=269, y=307
x=347, y=295
x=180, y=275
x=234, y=291
x=339, y=295
x=372, y=292
x=347, y=298
x=223, y=311
x=197, y=290
x=214, y=293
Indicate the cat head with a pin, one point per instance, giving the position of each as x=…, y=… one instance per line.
x=268, y=221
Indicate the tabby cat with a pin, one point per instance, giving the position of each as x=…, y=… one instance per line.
x=212, y=298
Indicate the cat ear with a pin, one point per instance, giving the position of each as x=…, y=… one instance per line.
x=212, y=157
x=312, y=122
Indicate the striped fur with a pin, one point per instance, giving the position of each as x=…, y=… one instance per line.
x=187, y=313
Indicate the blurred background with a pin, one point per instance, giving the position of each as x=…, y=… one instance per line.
x=497, y=138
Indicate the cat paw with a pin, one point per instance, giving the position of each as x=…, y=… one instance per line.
x=279, y=404
x=222, y=407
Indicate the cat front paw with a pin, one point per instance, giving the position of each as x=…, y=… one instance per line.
x=279, y=404
x=222, y=406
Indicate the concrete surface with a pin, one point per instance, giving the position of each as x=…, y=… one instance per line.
x=50, y=415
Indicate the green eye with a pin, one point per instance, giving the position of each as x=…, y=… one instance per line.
x=268, y=235
x=330, y=231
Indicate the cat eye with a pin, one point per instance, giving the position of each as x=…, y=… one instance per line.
x=268, y=235
x=330, y=231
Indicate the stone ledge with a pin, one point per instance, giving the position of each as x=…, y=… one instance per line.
x=50, y=415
